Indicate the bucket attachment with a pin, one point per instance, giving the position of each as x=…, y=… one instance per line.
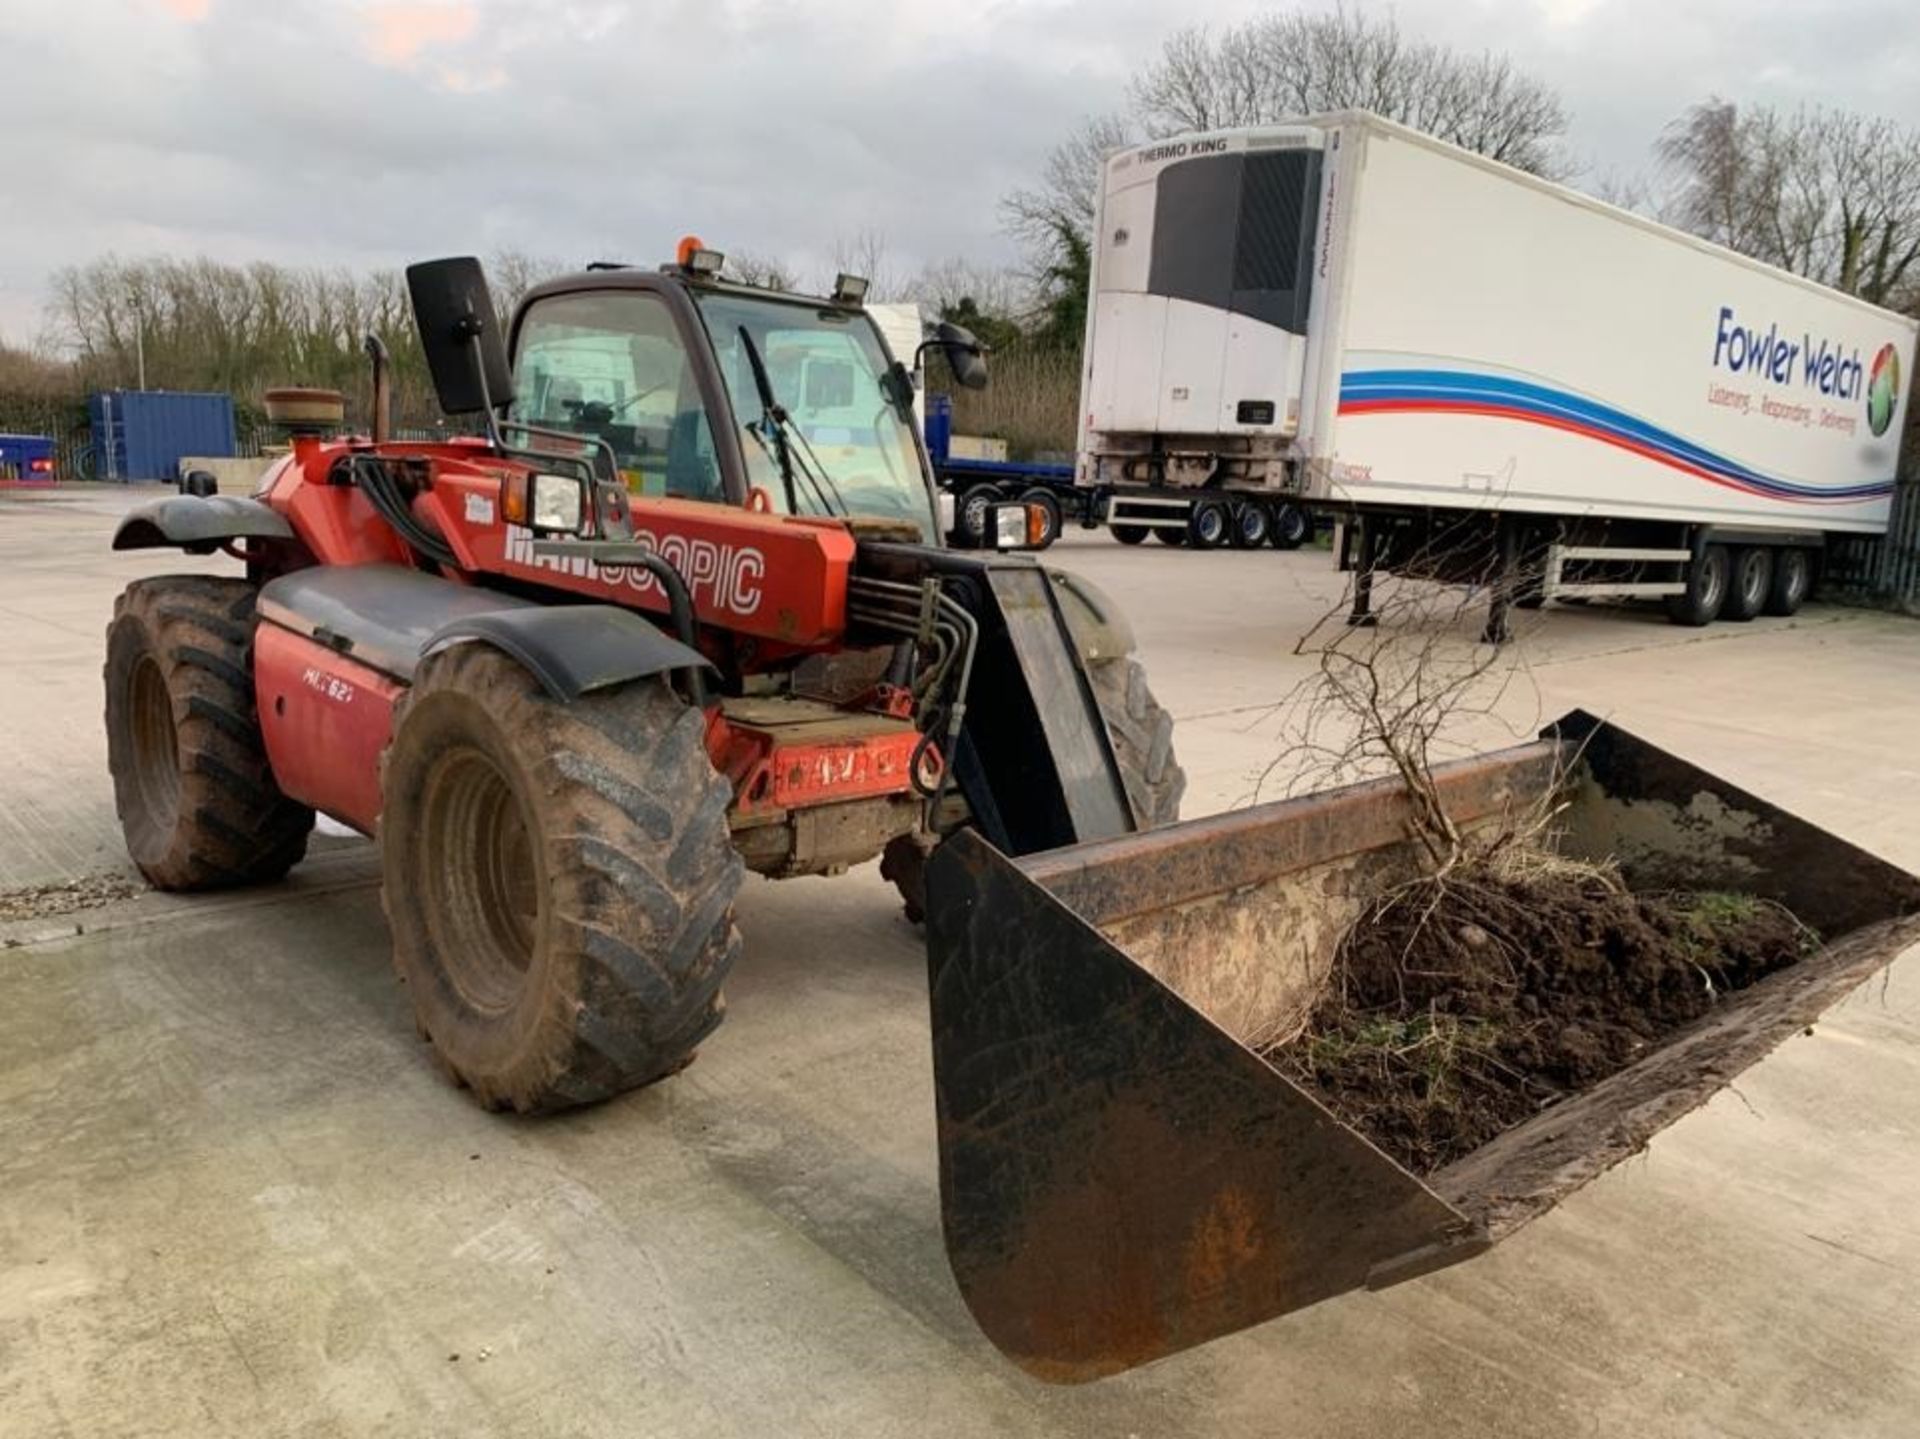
x=1123, y=1176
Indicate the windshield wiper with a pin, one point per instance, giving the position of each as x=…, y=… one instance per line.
x=775, y=420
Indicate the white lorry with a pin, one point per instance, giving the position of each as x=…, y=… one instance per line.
x=1483, y=371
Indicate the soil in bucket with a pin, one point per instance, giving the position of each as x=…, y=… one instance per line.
x=1461, y=1006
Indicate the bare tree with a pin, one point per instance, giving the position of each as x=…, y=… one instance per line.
x=511, y=273
x=769, y=272
x=1827, y=194
x=1281, y=67
x=865, y=253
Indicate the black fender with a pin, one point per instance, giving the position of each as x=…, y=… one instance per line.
x=1097, y=623
x=390, y=618
x=200, y=523
x=574, y=649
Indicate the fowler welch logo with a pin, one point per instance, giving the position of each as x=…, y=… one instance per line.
x=1883, y=390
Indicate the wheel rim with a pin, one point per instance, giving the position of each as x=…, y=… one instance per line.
x=1253, y=525
x=1713, y=583
x=481, y=880
x=1753, y=582
x=156, y=743
x=1293, y=524
x=974, y=518
x=1797, y=576
x=1208, y=524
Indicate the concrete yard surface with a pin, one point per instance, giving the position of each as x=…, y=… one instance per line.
x=236, y=1198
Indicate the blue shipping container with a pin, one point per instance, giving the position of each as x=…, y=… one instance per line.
x=141, y=434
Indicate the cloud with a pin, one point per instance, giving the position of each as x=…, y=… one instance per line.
x=337, y=133
x=191, y=11
x=397, y=33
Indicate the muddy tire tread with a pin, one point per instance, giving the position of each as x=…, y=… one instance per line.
x=642, y=880
x=234, y=826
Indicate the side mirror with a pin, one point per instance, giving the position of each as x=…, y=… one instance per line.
x=466, y=353
x=966, y=356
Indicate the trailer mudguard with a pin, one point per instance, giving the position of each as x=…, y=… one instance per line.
x=199, y=523
x=390, y=618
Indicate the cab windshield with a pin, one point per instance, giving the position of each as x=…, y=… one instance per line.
x=824, y=367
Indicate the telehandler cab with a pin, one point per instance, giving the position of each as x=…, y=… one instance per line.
x=683, y=610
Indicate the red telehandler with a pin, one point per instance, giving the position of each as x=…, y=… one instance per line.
x=682, y=610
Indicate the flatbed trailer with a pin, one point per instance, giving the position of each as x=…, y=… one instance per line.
x=974, y=485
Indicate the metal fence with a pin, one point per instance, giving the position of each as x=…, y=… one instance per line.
x=1880, y=570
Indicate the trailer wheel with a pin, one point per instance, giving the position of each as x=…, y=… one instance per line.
x=191, y=781
x=1792, y=581
x=1209, y=524
x=1051, y=530
x=1292, y=528
x=1749, y=584
x=1129, y=534
x=1142, y=735
x=1251, y=524
x=1706, y=589
x=1168, y=535
x=559, y=879
x=970, y=516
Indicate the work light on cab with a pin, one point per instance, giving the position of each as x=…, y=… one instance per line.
x=693, y=256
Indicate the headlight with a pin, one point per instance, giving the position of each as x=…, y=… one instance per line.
x=1010, y=527
x=557, y=503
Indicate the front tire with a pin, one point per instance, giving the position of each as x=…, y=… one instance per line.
x=970, y=516
x=191, y=780
x=559, y=879
x=1142, y=734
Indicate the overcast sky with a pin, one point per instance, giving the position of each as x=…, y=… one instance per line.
x=363, y=132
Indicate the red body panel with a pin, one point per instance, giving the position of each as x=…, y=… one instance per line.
x=779, y=580
x=335, y=522
x=325, y=720
x=770, y=773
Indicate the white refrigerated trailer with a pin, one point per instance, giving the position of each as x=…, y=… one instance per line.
x=1483, y=371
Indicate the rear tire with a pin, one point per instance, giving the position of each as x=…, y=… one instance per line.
x=1142, y=735
x=191, y=781
x=1252, y=522
x=559, y=879
x=1129, y=534
x=1792, y=581
x=1209, y=524
x=1749, y=584
x=1047, y=502
x=1706, y=589
x=1292, y=528
x=1170, y=536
